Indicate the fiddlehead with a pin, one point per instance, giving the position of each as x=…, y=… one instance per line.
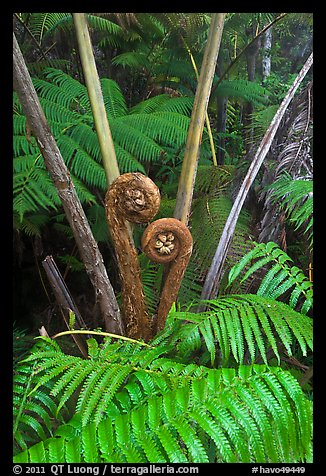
x=168, y=240
x=133, y=197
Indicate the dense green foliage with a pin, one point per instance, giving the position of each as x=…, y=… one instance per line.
x=138, y=402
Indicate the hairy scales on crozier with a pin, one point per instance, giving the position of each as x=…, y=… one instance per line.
x=133, y=197
x=168, y=240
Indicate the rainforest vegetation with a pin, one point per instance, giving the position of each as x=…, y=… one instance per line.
x=163, y=237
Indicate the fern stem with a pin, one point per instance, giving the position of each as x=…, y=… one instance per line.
x=208, y=124
x=100, y=333
x=190, y=161
x=96, y=98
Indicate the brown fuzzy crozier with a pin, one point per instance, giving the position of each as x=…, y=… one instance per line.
x=168, y=240
x=133, y=197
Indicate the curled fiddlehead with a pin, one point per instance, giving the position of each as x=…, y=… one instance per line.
x=168, y=240
x=133, y=197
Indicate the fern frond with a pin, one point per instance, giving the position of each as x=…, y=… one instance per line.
x=164, y=103
x=33, y=190
x=36, y=414
x=207, y=222
x=239, y=322
x=113, y=98
x=133, y=59
x=280, y=278
x=151, y=282
x=224, y=425
x=242, y=89
x=213, y=181
x=40, y=23
x=295, y=197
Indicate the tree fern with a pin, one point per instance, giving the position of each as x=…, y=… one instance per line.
x=140, y=136
x=244, y=90
x=43, y=25
x=280, y=278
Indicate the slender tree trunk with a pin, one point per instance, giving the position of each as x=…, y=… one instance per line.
x=222, y=104
x=94, y=90
x=242, y=52
x=267, y=46
x=214, y=275
x=190, y=161
x=96, y=98
x=76, y=217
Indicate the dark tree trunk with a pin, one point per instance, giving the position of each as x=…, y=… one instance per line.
x=76, y=217
x=221, y=128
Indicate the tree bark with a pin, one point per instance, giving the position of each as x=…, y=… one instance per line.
x=266, y=62
x=60, y=175
x=214, y=275
x=190, y=161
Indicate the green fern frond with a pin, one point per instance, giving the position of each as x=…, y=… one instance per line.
x=213, y=181
x=295, y=197
x=40, y=23
x=238, y=323
x=133, y=59
x=53, y=93
x=113, y=98
x=71, y=86
x=127, y=135
x=33, y=190
x=36, y=414
x=261, y=119
x=207, y=222
x=145, y=132
x=242, y=89
x=280, y=278
x=72, y=262
x=219, y=412
x=164, y=103
x=151, y=278
x=31, y=224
